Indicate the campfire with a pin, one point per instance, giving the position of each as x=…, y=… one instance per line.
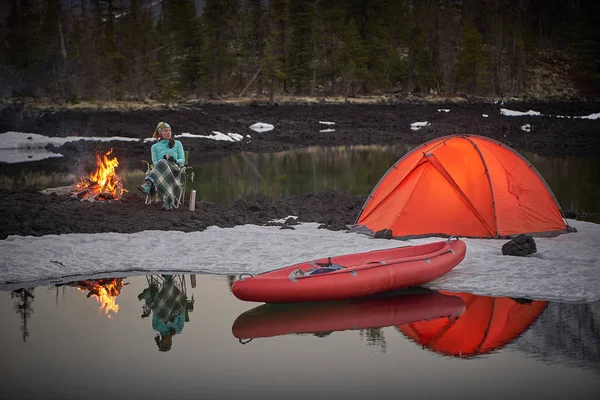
x=105, y=291
x=103, y=183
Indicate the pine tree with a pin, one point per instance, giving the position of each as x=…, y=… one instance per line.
x=22, y=28
x=52, y=51
x=299, y=68
x=186, y=31
x=276, y=53
x=471, y=59
x=331, y=23
x=255, y=42
x=217, y=18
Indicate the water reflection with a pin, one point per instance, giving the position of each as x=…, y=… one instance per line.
x=367, y=315
x=23, y=305
x=456, y=324
x=487, y=324
x=166, y=300
x=104, y=290
x=69, y=343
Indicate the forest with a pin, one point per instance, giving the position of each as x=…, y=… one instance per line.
x=139, y=50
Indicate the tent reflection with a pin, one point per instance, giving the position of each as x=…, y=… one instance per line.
x=488, y=324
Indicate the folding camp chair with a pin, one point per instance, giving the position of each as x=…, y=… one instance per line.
x=178, y=281
x=186, y=170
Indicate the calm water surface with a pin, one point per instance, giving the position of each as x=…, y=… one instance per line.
x=100, y=339
x=355, y=169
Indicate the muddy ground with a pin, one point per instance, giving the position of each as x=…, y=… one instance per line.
x=296, y=125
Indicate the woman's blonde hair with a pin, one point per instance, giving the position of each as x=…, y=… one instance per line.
x=163, y=125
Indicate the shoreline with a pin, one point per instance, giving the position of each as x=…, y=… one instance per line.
x=554, y=133
x=259, y=101
x=27, y=212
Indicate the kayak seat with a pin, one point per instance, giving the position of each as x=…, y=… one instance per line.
x=325, y=269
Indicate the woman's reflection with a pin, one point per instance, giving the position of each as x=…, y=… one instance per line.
x=166, y=300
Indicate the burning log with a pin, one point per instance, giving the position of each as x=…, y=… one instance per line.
x=103, y=184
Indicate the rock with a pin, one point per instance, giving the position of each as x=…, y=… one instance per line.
x=521, y=246
x=291, y=221
x=384, y=234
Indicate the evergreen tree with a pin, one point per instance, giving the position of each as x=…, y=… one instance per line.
x=22, y=32
x=52, y=52
x=217, y=18
x=331, y=22
x=353, y=57
x=276, y=53
x=300, y=62
x=471, y=59
x=256, y=41
x=138, y=43
x=369, y=19
x=585, y=46
x=186, y=30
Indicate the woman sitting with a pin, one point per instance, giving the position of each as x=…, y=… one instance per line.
x=165, y=179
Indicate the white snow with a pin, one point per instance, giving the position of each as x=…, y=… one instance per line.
x=526, y=128
x=261, y=127
x=326, y=130
x=511, y=113
x=565, y=268
x=228, y=137
x=326, y=123
x=443, y=110
x=22, y=140
x=20, y=146
x=484, y=115
x=415, y=126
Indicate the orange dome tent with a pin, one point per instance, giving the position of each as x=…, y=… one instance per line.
x=488, y=324
x=465, y=185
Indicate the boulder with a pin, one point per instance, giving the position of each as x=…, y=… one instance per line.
x=521, y=246
x=384, y=234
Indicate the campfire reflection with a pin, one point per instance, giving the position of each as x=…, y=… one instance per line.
x=166, y=300
x=105, y=291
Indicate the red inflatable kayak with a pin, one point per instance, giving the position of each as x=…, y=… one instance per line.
x=364, y=313
x=353, y=275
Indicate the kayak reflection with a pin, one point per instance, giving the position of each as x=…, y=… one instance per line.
x=488, y=324
x=322, y=318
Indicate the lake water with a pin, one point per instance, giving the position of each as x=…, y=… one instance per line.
x=356, y=169
x=99, y=339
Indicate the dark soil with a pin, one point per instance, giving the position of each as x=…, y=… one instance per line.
x=32, y=213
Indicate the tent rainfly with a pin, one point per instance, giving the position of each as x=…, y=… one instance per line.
x=462, y=185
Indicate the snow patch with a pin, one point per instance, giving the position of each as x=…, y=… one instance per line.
x=261, y=127
x=415, y=126
x=565, y=268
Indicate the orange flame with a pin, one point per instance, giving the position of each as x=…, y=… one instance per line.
x=103, y=183
x=105, y=292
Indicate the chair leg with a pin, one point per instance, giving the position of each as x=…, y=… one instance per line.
x=183, y=195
